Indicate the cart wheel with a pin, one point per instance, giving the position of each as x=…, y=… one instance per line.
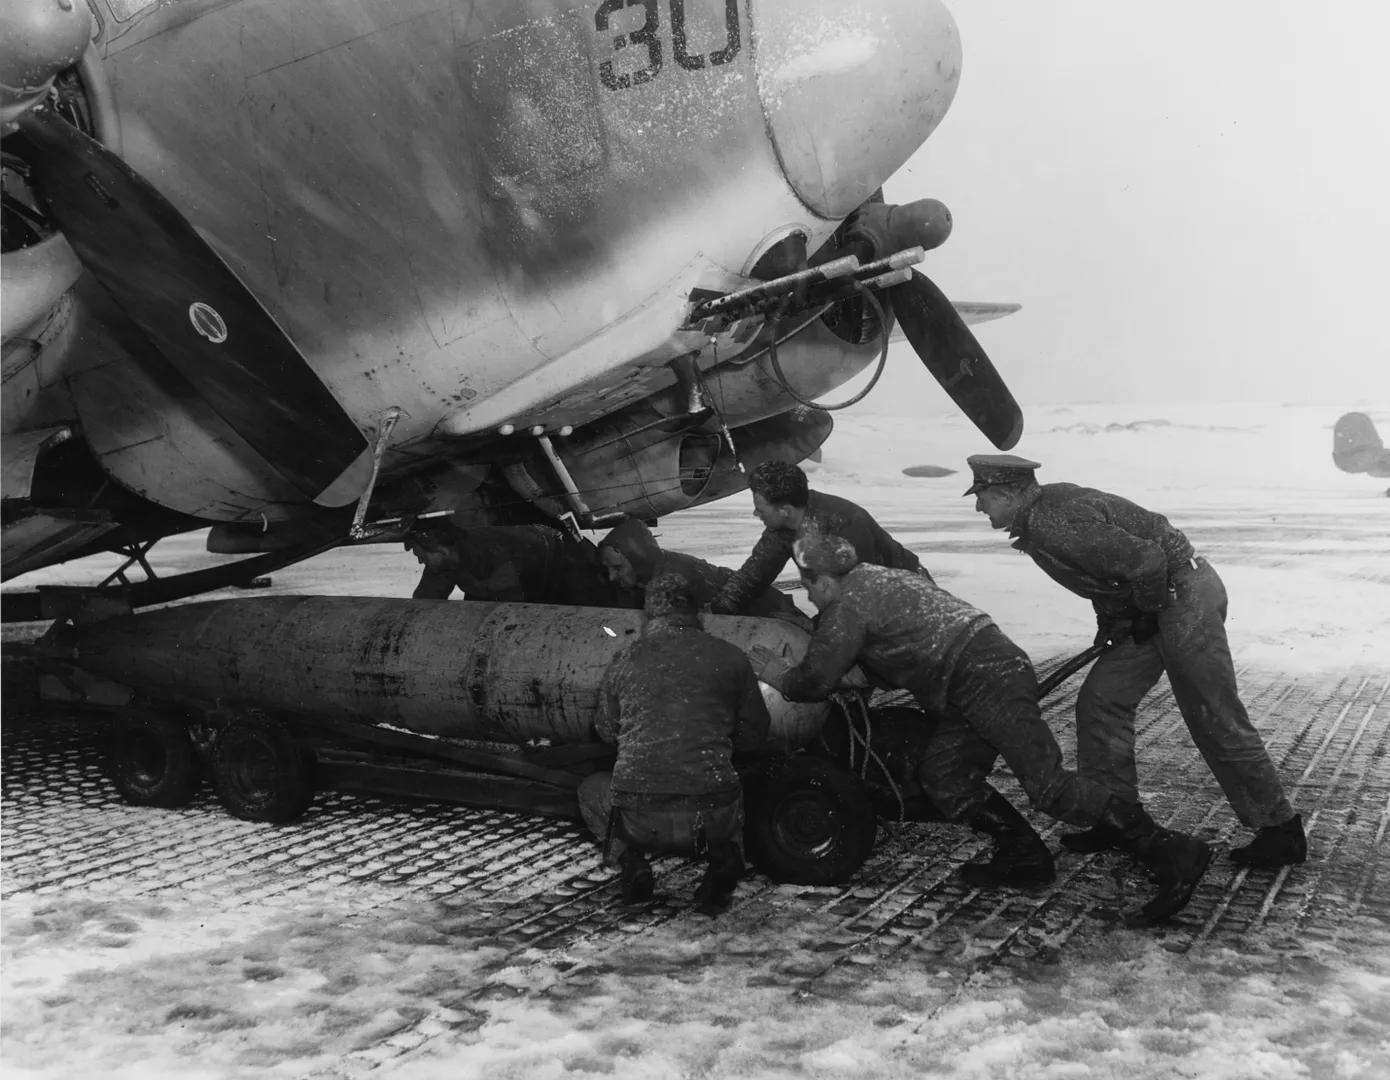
x=262, y=774
x=152, y=762
x=809, y=821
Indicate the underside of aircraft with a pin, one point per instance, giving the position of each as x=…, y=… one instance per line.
x=302, y=271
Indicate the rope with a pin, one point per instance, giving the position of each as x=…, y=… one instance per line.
x=883, y=768
x=882, y=363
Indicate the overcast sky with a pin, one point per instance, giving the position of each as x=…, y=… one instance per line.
x=1190, y=199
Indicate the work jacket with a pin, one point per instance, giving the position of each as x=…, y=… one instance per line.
x=532, y=564
x=677, y=703
x=1109, y=550
x=826, y=515
x=906, y=631
x=635, y=542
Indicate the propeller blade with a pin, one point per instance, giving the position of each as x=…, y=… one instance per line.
x=196, y=312
x=950, y=352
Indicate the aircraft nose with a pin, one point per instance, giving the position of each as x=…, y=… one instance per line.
x=850, y=90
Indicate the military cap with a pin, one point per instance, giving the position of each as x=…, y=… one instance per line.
x=825, y=555
x=991, y=469
x=669, y=594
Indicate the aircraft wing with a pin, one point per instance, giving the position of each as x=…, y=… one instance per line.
x=978, y=311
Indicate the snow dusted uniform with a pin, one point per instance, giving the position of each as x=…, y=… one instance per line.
x=1166, y=608
x=826, y=515
x=677, y=703
x=635, y=542
x=912, y=634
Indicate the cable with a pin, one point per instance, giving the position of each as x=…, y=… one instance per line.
x=871, y=753
x=882, y=363
x=843, y=699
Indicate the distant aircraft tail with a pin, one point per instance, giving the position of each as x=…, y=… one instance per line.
x=1357, y=446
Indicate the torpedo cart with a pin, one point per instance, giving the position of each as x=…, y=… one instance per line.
x=485, y=704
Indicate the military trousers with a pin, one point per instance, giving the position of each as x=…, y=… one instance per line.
x=678, y=831
x=992, y=711
x=1191, y=647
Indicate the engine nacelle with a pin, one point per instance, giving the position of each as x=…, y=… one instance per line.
x=618, y=467
x=33, y=280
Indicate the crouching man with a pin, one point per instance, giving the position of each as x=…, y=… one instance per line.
x=958, y=664
x=677, y=703
x=522, y=564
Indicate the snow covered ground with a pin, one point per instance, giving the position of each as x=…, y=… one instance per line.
x=344, y=977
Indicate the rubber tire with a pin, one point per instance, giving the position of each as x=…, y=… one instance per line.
x=152, y=762
x=808, y=821
x=262, y=773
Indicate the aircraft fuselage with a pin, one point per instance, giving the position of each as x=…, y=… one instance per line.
x=489, y=215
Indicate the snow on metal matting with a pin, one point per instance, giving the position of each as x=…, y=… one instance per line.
x=534, y=886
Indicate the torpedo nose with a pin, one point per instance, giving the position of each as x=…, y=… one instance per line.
x=850, y=90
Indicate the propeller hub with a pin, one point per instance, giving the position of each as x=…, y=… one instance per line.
x=38, y=39
x=886, y=228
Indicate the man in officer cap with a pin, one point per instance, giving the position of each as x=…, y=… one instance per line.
x=1164, y=608
x=911, y=634
x=677, y=703
x=790, y=510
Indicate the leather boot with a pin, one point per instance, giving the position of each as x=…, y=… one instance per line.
x=1096, y=838
x=716, y=890
x=1275, y=845
x=638, y=882
x=1176, y=860
x=1020, y=861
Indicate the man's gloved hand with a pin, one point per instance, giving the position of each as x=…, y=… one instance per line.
x=761, y=656
x=775, y=675
x=856, y=679
x=769, y=667
x=1144, y=627
x=1112, y=628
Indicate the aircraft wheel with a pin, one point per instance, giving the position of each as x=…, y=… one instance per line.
x=262, y=773
x=152, y=762
x=808, y=821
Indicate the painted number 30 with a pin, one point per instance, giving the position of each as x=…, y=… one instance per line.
x=645, y=37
